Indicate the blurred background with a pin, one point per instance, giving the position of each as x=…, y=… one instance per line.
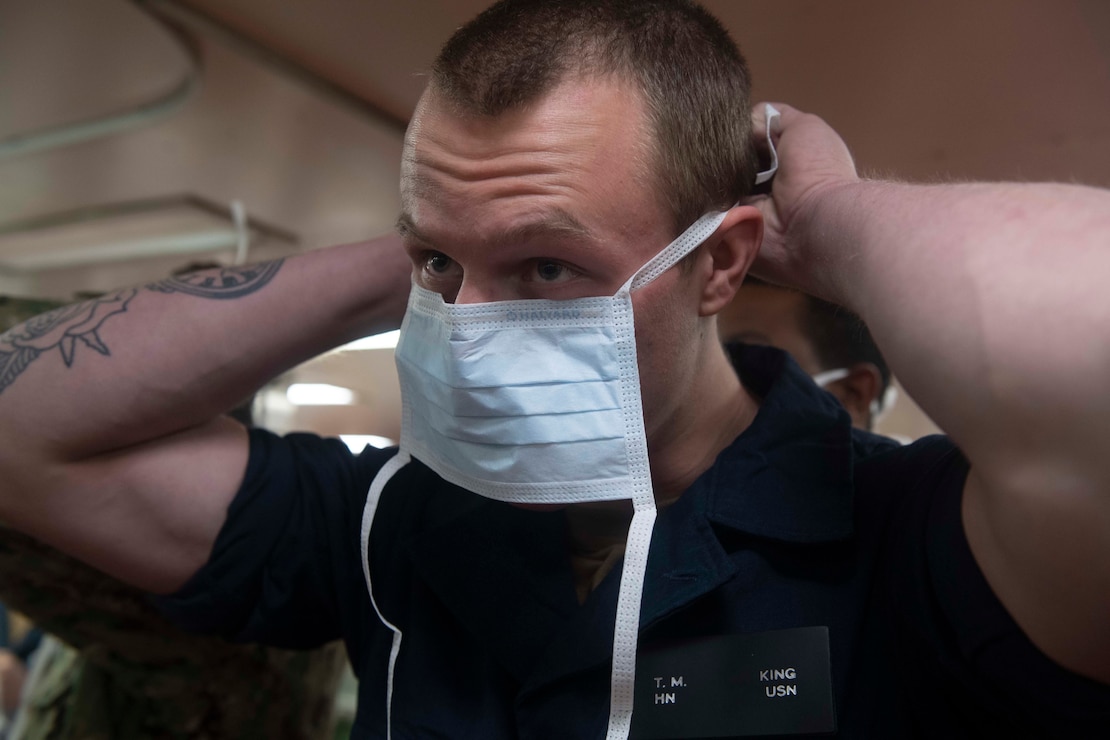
x=127, y=130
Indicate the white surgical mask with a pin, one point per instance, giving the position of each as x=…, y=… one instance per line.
x=536, y=402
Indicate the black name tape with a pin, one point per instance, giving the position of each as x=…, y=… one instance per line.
x=767, y=683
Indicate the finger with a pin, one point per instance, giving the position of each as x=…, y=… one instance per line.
x=760, y=117
x=755, y=199
x=772, y=223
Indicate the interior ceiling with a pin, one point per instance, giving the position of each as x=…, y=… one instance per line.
x=300, y=105
x=924, y=89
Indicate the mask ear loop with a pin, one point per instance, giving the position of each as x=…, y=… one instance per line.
x=372, y=497
x=771, y=113
x=701, y=229
x=831, y=376
x=683, y=244
x=626, y=631
x=627, y=628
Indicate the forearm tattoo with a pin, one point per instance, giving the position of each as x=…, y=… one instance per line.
x=67, y=328
x=223, y=284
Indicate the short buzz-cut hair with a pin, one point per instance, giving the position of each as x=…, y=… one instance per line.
x=840, y=338
x=688, y=71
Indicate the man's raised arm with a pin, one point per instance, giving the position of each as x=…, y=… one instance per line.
x=990, y=302
x=112, y=444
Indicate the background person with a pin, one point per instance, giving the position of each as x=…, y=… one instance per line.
x=828, y=342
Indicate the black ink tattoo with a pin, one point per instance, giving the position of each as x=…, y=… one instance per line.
x=222, y=283
x=64, y=328
x=13, y=362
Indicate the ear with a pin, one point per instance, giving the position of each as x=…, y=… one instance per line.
x=857, y=390
x=727, y=255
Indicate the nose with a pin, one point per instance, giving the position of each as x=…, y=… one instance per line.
x=475, y=290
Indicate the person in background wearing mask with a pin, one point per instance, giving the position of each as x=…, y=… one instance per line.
x=828, y=342
x=559, y=350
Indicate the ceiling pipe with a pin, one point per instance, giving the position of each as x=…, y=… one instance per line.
x=164, y=105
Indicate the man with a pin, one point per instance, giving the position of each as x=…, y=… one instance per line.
x=558, y=148
x=830, y=344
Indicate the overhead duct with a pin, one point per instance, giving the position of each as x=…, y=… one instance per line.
x=157, y=227
x=145, y=113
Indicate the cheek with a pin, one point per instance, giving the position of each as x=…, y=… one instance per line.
x=667, y=338
x=666, y=313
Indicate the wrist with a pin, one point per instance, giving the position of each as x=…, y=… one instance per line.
x=821, y=254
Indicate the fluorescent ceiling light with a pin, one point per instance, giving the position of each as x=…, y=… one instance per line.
x=319, y=394
x=358, y=441
x=386, y=340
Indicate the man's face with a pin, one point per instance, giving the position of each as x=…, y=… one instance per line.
x=554, y=202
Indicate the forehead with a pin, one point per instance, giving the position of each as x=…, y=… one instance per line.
x=577, y=158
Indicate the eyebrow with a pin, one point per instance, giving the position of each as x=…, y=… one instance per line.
x=556, y=222
x=407, y=229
